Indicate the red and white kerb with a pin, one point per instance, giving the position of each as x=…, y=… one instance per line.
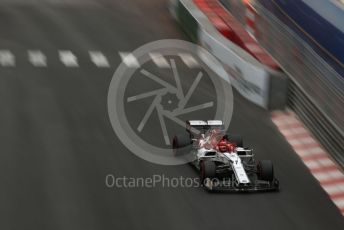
x=317, y=160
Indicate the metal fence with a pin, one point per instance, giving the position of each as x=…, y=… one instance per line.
x=316, y=91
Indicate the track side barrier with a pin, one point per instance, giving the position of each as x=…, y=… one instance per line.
x=315, y=91
x=257, y=82
x=232, y=29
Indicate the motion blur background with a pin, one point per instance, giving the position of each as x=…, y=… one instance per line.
x=307, y=39
x=57, y=58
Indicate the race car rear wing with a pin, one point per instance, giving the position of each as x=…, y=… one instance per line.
x=215, y=123
x=204, y=123
x=199, y=126
x=196, y=123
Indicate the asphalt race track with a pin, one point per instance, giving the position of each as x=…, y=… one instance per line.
x=57, y=145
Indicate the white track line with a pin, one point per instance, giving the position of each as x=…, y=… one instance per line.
x=328, y=175
x=319, y=163
x=37, y=58
x=99, y=59
x=129, y=59
x=339, y=202
x=159, y=60
x=334, y=189
x=295, y=142
x=7, y=59
x=293, y=131
x=284, y=121
x=68, y=58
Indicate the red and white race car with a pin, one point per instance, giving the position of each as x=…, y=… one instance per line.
x=222, y=160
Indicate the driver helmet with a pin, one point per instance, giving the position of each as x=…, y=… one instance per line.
x=223, y=146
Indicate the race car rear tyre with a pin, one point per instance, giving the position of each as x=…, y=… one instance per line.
x=181, y=144
x=237, y=139
x=207, y=170
x=265, y=170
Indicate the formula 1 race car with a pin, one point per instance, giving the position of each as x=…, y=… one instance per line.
x=223, y=162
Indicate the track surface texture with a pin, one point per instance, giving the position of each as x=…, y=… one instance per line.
x=57, y=144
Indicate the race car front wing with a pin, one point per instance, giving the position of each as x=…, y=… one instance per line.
x=230, y=186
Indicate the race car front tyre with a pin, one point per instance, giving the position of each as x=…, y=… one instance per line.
x=181, y=144
x=207, y=170
x=265, y=170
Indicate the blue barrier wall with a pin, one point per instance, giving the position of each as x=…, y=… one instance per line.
x=319, y=22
